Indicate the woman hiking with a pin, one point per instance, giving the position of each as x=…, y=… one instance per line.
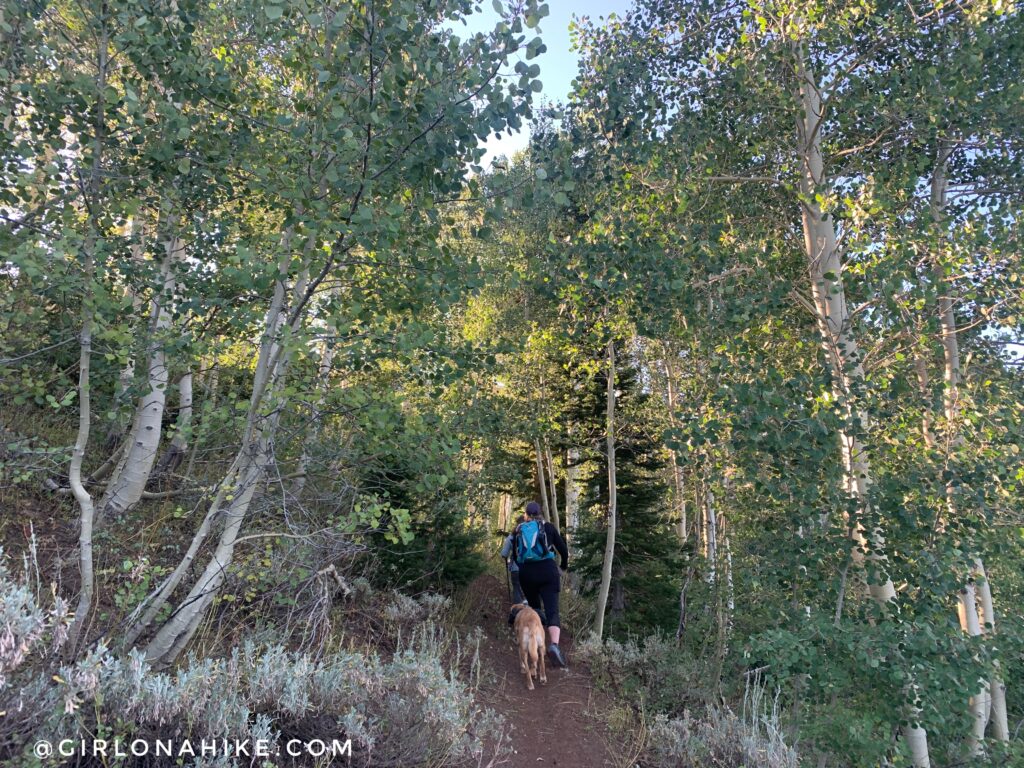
x=535, y=543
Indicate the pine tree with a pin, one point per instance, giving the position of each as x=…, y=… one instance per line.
x=648, y=556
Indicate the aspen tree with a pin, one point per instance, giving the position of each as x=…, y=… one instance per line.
x=609, y=547
x=991, y=700
x=552, y=486
x=82, y=496
x=842, y=353
x=128, y=482
x=175, y=451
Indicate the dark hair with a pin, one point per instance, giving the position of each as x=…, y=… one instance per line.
x=533, y=509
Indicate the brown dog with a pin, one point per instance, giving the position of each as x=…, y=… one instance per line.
x=529, y=635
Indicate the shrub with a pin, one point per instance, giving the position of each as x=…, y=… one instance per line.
x=658, y=677
x=24, y=625
x=652, y=670
x=411, y=709
x=720, y=738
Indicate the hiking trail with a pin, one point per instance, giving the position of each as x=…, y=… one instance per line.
x=555, y=724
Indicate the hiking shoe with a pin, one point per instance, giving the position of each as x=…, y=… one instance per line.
x=556, y=654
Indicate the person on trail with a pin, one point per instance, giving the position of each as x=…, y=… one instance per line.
x=507, y=550
x=535, y=543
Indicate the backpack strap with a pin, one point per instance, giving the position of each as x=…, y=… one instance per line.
x=516, y=538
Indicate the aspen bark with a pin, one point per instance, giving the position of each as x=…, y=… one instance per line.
x=991, y=700
x=843, y=355
x=841, y=348
x=677, y=471
x=85, y=502
x=171, y=638
x=572, y=490
x=125, y=379
x=206, y=413
x=541, y=481
x=711, y=535
x=129, y=481
x=175, y=452
x=253, y=458
x=730, y=589
x=552, y=487
x=698, y=514
x=609, y=547
x=997, y=688
x=86, y=507
x=323, y=378
x=158, y=599
x=979, y=703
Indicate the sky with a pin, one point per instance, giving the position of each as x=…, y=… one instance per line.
x=558, y=65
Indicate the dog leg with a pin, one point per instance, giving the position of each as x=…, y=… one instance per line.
x=543, y=665
x=524, y=662
x=532, y=671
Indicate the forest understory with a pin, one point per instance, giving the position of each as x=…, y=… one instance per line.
x=285, y=352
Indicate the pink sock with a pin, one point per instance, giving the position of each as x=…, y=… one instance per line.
x=553, y=633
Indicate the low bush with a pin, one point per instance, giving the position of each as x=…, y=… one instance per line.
x=652, y=671
x=411, y=709
x=663, y=684
x=717, y=738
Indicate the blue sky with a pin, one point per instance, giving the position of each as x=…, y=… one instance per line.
x=557, y=65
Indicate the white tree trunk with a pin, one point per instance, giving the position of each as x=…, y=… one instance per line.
x=255, y=455
x=82, y=496
x=572, y=490
x=552, y=487
x=126, y=378
x=698, y=513
x=992, y=698
x=323, y=379
x=171, y=638
x=205, y=415
x=129, y=482
x=979, y=703
x=159, y=598
x=542, y=481
x=997, y=688
x=175, y=451
x=85, y=503
x=677, y=470
x=711, y=535
x=842, y=352
x=841, y=348
x=609, y=546
x=730, y=588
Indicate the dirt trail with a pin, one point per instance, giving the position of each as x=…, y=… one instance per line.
x=554, y=724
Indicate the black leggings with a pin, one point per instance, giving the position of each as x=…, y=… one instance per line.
x=541, y=584
x=517, y=589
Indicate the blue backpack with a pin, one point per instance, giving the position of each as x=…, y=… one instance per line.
x=532, y=542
